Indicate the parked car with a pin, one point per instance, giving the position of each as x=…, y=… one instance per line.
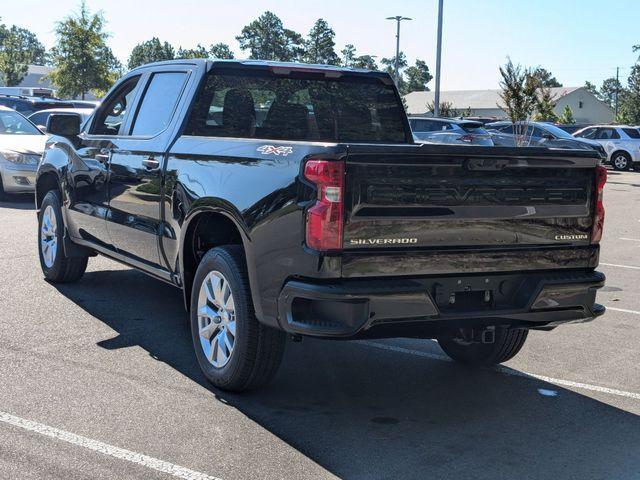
x=483, y=120
x=449, y=131
x=42, y=92
x=539, y=134
x=92, y=104
x=323, y=219
x=40, y=118
x=620, y=142
x=27, y=105
x=21, y=146
x=571, y=127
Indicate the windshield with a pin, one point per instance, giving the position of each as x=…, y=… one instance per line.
x=557, y=131
x=12, y=123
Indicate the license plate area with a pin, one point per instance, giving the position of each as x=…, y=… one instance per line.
x=474, y=293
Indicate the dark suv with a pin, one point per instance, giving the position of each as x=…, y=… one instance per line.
x=27, y=105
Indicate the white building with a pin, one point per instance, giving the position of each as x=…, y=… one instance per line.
x=37, y=77
x=585, y=106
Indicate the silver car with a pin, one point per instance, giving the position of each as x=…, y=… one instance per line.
x=449, y=131
x=21, y=146
x=621, y=144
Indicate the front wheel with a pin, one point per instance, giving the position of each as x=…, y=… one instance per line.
x=56, y=265
x=234, y=350
x=621, y=161
x=460, y=346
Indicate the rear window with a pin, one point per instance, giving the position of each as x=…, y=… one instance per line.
x=475, y=128
x=632, y=132
x=298, y=106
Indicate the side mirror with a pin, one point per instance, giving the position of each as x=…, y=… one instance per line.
x=64, y=124
x=547, y=136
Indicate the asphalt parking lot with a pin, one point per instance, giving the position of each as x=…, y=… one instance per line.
x=98, y=380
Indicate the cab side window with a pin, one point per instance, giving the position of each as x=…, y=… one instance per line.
x=110, y=117
x=159, y=102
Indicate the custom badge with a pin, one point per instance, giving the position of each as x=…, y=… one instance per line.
x=275, y=150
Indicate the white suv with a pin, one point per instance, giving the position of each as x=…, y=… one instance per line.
x=621, y=143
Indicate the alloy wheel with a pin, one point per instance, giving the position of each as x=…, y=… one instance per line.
x=49, y=237
x=620, y=162
x=216, y=319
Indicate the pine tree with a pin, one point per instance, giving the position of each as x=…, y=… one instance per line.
x=221, y=50
x=567, y=116
x=348, y=55
x=590, y=87
x=198, y=52
x=417, y=77
x=608, y=91
x=365, y=61
x=81, y=59
x=630, y=105
x=150, y=51
x=320, y=46
x=545, y=77
x=267, y=39
x=545, y=105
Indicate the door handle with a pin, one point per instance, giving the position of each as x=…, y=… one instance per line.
x=151, y=163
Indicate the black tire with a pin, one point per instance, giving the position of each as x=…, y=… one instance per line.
x=507, y=343
x=63, y=269
x=621, y=161
x=3, y=195
x=258, y=349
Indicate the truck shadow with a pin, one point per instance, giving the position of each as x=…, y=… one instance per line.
x=19, y=202
x=366, y=413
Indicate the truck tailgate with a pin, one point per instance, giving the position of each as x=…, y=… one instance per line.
x=444, y=198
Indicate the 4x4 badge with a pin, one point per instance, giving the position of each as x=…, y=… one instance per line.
x=275, y=150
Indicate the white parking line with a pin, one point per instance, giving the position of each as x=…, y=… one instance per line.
x=507, y=371
x=620, y=266
x=630, y=239
x=623, y=310
x=96, y=446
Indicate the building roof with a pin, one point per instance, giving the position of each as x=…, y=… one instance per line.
x=475, y=99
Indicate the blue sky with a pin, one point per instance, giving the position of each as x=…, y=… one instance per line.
x=577, y=40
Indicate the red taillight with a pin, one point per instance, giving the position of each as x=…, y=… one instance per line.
x=598, y=214
x=324, y=219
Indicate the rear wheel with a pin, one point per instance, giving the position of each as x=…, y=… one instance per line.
x=621, y=161
x=56, y=265
x=234, y=350
x=462, y=347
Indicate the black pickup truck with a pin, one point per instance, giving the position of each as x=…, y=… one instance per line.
x=290, y=200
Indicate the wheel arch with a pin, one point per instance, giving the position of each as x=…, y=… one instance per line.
x=205, y=228
x=47, y=181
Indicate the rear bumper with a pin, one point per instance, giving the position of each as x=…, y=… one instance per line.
x=421, y=306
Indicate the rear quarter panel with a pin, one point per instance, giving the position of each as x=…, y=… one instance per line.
x=260, y=190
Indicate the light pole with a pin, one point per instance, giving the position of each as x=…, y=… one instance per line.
x=398, y=19
x=436, y=100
